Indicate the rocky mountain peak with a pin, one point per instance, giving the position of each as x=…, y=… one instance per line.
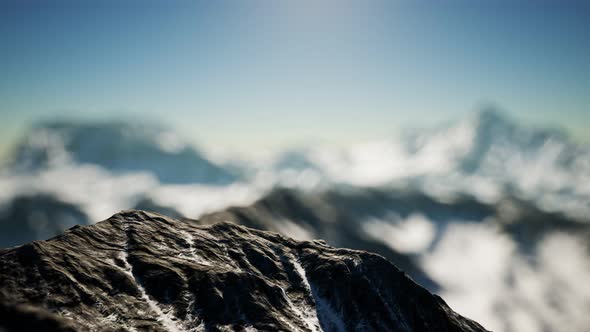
x=142, y=271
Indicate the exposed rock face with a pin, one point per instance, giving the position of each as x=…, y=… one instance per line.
x=142, y=271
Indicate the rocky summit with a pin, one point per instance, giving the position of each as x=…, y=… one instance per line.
x=139, y=271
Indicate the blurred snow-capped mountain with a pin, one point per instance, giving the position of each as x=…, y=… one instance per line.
x=487, y=155
x=120, y=147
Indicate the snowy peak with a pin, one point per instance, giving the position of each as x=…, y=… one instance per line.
x=487, y=155
x=491, y=121
x=492, y=117
x=498, y=137
x=143, y=271
x=119, y=147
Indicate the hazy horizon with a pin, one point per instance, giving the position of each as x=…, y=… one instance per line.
x=229, y=149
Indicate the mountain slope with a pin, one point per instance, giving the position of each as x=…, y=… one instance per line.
x=337, y=218
x=143, y=271
x=366, y=218
x=483, y=258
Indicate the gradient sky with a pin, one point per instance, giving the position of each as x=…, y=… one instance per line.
x=269, y=73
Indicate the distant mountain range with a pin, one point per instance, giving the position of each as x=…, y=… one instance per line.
x=120, y=147
x=487, y=155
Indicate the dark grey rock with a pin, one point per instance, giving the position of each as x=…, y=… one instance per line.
x=146, y=272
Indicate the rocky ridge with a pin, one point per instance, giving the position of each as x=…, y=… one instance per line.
x=139, y=271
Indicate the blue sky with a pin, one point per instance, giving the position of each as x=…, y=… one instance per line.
x=271, y=73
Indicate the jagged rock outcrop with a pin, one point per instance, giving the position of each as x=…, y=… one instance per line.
x=142, y=271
